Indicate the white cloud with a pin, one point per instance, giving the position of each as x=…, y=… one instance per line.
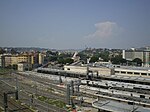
x=105, y=30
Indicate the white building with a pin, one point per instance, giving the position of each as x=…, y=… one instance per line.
x=24, y=66
x=83, y=70
x=133, y=71
x=41, y=58
x=144, y=55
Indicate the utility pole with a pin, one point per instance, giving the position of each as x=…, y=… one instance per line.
x=10, y=92
x=60, y=79
x=6, y=99
x=72, y=88
x=87, y=72
x=68, y=94
x=5, y=102
x=17, y=89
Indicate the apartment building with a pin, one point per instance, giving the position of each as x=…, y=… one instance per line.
x=32, y=59
x=144, y=55
x=41, y=58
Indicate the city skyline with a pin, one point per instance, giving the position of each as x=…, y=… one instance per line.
x=75, y=24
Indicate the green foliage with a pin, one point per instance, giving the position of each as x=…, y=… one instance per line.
x=65, y=60
x=83, y=56
x=118, y=60
x=42, y=98
x=62, y=58
x=15, y=67
x=4, y=71
x=50, y=53
x=2, y=51
x=137, y=61
x=52, y=58
x=104, y=55
x=94, y=59
x=13, y=51
x=69, y=60
x=56, y=103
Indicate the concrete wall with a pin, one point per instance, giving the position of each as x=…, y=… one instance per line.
x=83, y=69
x=77, y=69
x=21, y=66
x=123, y=71
x=24, y=66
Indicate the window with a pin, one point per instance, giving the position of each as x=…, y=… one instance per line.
x=68, y=68
x=136, y=73
x=142, y=96
x=123, y=72
x=116, y=71
x=143, y=73
x=129, y=72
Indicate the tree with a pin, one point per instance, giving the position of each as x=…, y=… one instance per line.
x=83, y=57
x=69, y=60
x=94, y=59
x=13, y=51
x=50, y=53
x=15, y=66
x=137, y=61
x=52, y=58
x=2, y=51
x=65, y=60
x=118, y=60
x=104, y=55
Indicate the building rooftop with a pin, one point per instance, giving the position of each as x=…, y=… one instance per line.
x=133, y=68
x=115, y=106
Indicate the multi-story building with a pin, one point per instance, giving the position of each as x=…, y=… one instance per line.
x=7, y=60
x=0, y=60
x=14, y=60
x=144, y=55
x=24, y=58
x=41, y=58
x=33, y=59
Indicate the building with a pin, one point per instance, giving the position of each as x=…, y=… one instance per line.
x=144, y=55
x=132, y=71
x=95, y=70
x=34, y=59
x=24, y=58
x=41, y=59
x=7, y=60
x=14, y=60
x=1, y=60
x=23, y=66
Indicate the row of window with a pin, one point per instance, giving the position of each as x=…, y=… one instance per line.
x=136, y=73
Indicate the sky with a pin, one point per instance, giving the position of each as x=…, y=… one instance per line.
x=75, y=24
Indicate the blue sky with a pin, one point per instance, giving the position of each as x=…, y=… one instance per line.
x=67, y=24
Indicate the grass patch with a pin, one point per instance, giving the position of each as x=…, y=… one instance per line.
x=42, y=98
x=53, y=102
x=4, y=71
x=57, y=103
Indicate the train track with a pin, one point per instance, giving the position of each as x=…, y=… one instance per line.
x=119, y=96
x=13, y=105
x=94, y=78
x=28, y=90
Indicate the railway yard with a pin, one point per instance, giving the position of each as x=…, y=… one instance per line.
x=44, y=91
